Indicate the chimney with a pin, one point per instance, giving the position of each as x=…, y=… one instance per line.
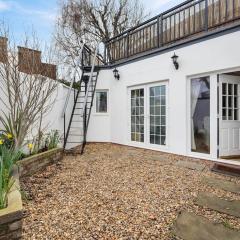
x=29, y=60
x=3, y=49
x=49, y=70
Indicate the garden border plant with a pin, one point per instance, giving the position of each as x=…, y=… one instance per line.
x=11, y=168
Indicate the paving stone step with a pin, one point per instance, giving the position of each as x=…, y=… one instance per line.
x=222, y=184
x=191, y=165
x=231, y=207
x=189, y=226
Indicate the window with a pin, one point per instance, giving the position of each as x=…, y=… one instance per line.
x=101, y=102
x=137, y=115
x=200, y=115
x=158, y=115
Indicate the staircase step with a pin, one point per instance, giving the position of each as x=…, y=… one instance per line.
x=84, y=95
x=75, y=135
x=227, y=169
x=89, y=68
x=83, y=102
x=70, y=146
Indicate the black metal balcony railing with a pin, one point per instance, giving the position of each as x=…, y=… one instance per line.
x=88, y=56
x=187, y=19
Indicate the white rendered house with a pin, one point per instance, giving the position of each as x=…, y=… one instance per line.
x=187, y=105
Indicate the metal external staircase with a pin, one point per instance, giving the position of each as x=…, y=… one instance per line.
x=76, y=132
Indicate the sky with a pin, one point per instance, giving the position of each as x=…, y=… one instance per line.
x=40, y=15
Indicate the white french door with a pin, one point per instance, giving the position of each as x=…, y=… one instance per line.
x=229, y=121
x=148, y=115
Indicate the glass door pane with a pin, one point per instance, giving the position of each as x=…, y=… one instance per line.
x=200, y=115
x=157, y=106
x=137, y=115
x=230, y=102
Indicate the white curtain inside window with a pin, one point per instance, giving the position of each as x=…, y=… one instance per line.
x=195, y=91
x=101, y=102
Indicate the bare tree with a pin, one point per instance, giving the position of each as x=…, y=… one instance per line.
x=94, y=21
x=26, y=93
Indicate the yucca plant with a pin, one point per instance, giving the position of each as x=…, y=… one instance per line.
x=7, y=160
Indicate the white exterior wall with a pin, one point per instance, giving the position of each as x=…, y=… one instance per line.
x=100, y=124
x=206, y=58
x=53, y=120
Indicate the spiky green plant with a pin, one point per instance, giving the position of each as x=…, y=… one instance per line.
x=7, y=160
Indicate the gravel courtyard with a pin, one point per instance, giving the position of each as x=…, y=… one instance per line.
x=115, y=192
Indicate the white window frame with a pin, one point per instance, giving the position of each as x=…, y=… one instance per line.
x=146, y=143
x=95, y=102
x=162, y=83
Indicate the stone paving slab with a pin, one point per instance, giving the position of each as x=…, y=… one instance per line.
x=215, y=203
x=161, y=159
x=189, y=226
x=191, y=165
x=222, y=184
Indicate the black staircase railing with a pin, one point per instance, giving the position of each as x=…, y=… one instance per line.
x=66, y=133
x=83, y=100
x=87, y=114
x=190, y=18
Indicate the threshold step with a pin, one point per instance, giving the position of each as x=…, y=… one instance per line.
x=226, y=169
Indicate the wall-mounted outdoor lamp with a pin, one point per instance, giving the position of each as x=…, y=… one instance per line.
x=175, y=61
x=116, y=74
